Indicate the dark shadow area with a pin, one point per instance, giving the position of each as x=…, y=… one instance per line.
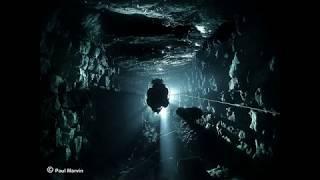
x=192, y=169
x=115, y=132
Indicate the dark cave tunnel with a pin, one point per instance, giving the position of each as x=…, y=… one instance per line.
x=220, y=63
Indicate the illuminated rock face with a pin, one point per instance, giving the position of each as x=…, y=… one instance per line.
x=157, y=96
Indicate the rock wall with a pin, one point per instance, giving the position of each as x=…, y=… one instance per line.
x=73, y=62
x=237, y=65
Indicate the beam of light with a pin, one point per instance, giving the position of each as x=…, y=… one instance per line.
x=173, y=95
x=167, y=144
x=163, y=114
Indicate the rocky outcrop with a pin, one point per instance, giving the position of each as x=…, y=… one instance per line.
x=73, y=61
